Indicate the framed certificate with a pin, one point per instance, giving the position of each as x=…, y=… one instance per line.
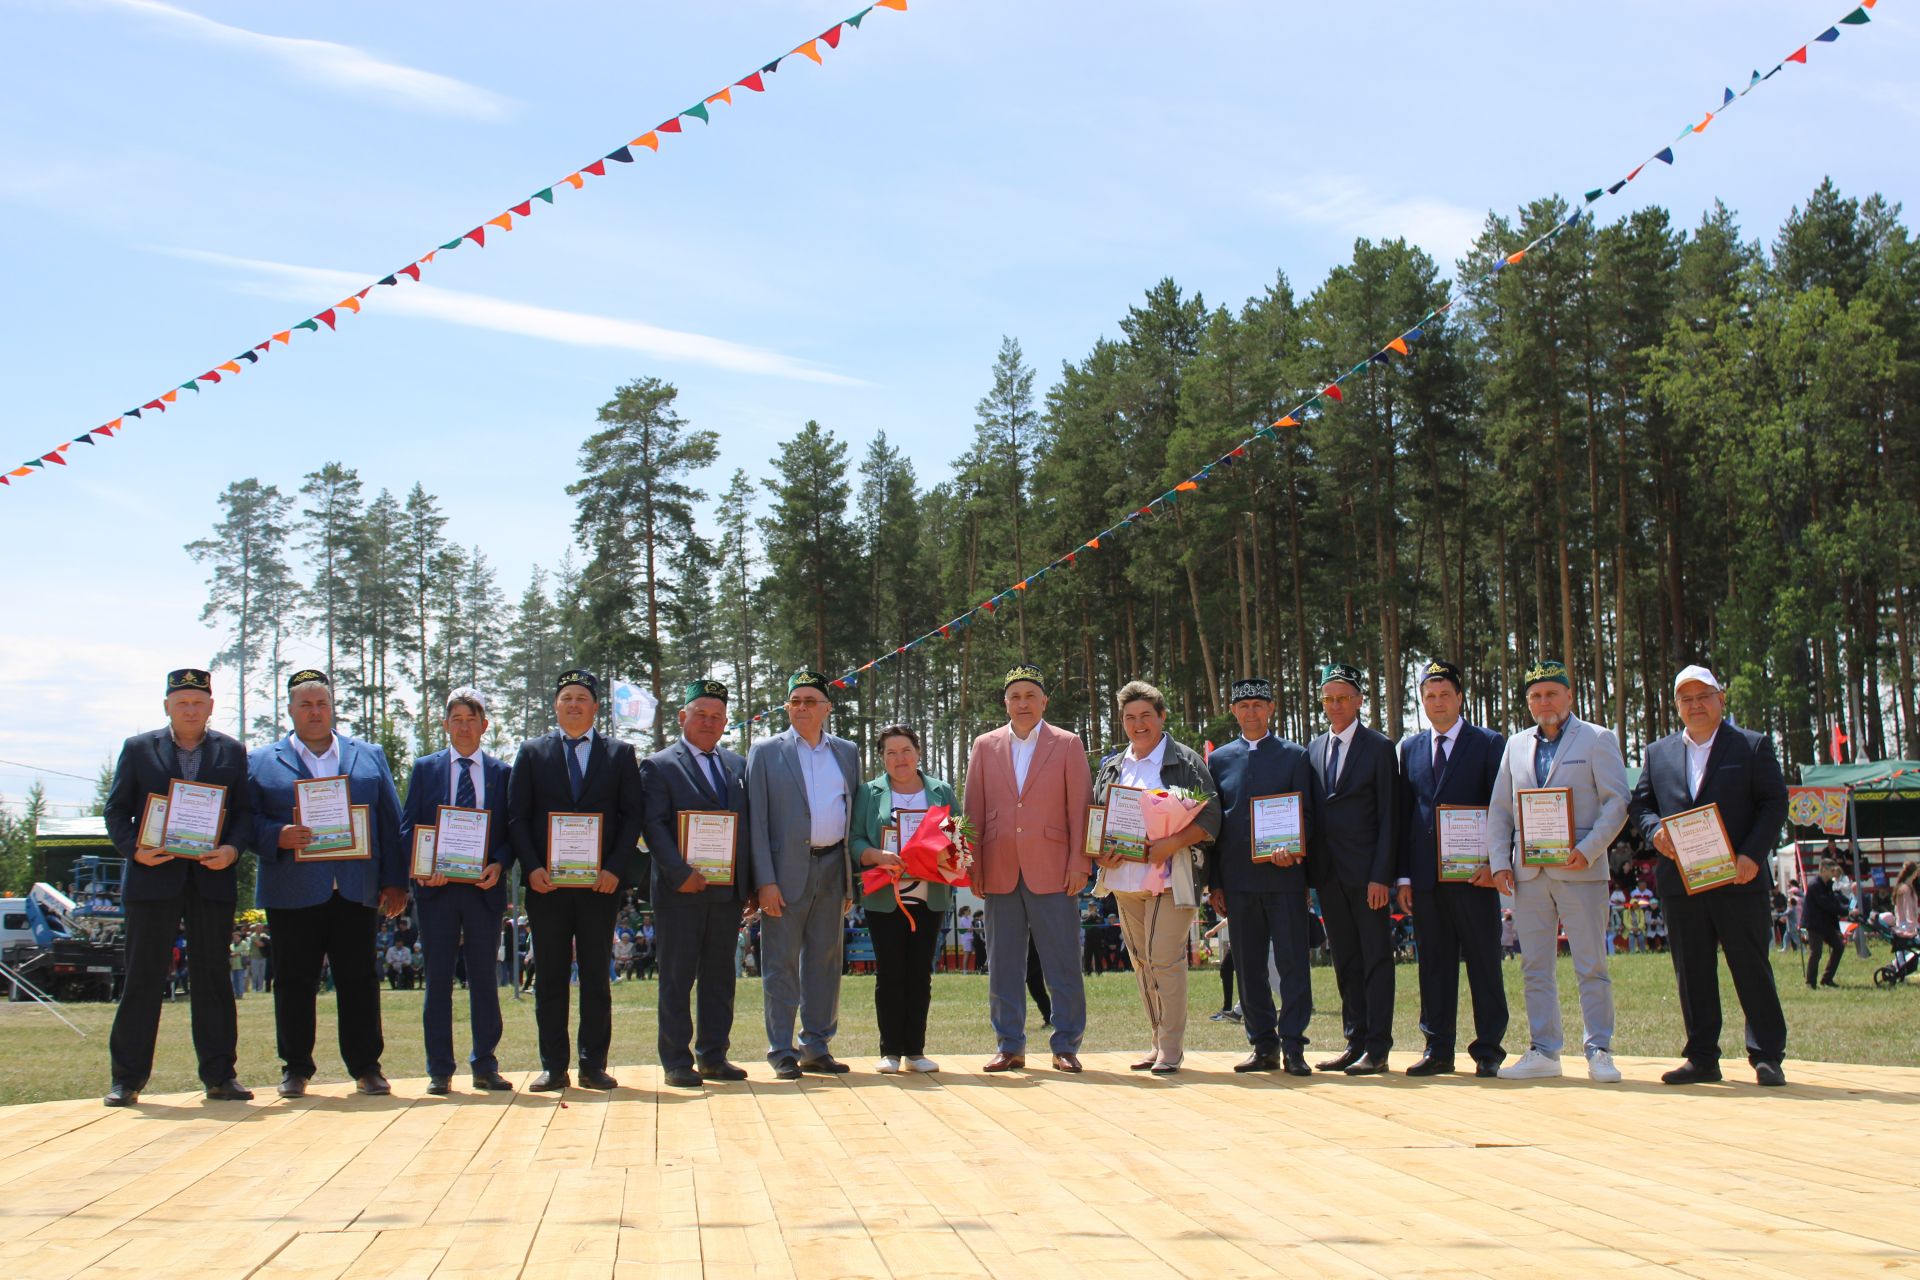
x=1126, y=832
x=1277, y=830
x=908, y=821
x=194, y=813
x=325, y=807
x=359, y=850
x=1461, y=832
x=1096, y=830
x=890, y=839
x=461, y=842
x=573, y=849
x=1701, y=850
x=153, y=823
x=709, y=841
x=422, y=866
x=1545, y=818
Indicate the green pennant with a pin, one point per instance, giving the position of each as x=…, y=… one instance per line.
x=35, y=462
x=191, y=384
x=700, y=111
x=1858, y=18
x=544, y=193
x=1595, y=194
x=454, y=243
x=309, y=324
x=854, y=21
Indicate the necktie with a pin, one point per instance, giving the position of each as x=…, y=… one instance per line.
x=574, y=775
x=1333, y=764
x=715, y=779
x=1439, y=759
x=463, y=790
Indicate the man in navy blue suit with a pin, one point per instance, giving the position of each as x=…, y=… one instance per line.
x=1265, y=903
x=1712, y=762
x=461, y=918
x=1452, y=763
x=696, y=923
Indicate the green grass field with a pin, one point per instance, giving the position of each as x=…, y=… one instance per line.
x=41, y=1060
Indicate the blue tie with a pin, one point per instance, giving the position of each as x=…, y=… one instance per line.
x=574, y=776
x=1333, y=764
x=463, y=790
x=714, y=778
x=1439, y=761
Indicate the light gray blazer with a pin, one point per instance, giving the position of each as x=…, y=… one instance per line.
x=779, y=820
x=1590, y=765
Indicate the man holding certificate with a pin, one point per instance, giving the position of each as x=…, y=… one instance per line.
x=693, y=799
x=1711, y=802
x=1256, y=877
x=185, y=780
x=573, y=814
x=1447, y=776
x=1558, y=801
x=323, y=898
x=457, y=798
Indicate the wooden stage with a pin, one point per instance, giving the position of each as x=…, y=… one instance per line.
x=1108, y=1175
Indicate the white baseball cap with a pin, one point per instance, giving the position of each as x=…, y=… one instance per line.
x=1696, y=674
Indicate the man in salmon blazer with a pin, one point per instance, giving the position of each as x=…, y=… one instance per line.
x=1027, y=791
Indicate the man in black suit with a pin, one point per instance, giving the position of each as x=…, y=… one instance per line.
x=461, y=917
x=1821, y=911
x=1265, y=903
x=1350, y=862
x=696, y=922
x=574, y=769
x=1451, y=763
x=161, y=890
x=1711, y=762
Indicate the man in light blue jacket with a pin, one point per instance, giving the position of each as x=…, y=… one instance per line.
x=1560, y=752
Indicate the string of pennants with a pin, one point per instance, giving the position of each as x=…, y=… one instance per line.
x=1400, y=345
x=752, y=83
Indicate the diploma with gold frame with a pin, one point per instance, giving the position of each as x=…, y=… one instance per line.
x=573, y=849
x=1461, y=832
x=460, y=847
x=1277, y=833
x=709, y=841
x=153, y=823
x=1126, y=832
x=423, y=843
x=1701, y=850
x=890, y=839
x=360, y=850
x=1096, y=830
x=1545, y=818
x=324, y=806
x=194, y=813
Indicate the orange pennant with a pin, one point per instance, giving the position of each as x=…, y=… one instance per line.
x=901, y=5
x=171, y=396
x=428, y=258
x=283, y=337
x=651, y=141
x=1704, y=123
x=230, y=367
x=1288, y=421
x=725, y=95
x=811, y=49
x=21, y=471
x=504, y=222
x=575, y=181
x=1398, y=344
x=1093, y=544
x=1185, y=486
x=351, y=304
x=1515, y=257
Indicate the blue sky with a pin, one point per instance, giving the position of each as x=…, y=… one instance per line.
x=183, y=179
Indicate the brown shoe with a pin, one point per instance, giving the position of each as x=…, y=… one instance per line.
x=1068, y=1062
x=1145, y=1064
x=1006, y=1062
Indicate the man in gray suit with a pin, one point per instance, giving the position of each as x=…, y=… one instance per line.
x=800, y=788
x=1561, y=751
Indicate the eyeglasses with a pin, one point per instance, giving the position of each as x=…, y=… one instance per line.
x=806, y=704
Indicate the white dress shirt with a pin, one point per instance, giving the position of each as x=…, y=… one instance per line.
x=826, y=790
x=324, y=765
x=479, y=772
x=1142, y=772
x=1345, y=739
x=1023, y=755
x=1451, y=737
x=1697, y=753
x=910, y=889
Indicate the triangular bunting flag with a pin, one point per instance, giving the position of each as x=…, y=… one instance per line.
x=351, y=304
x=1664, y=154
x=389, y=280
x=1515, y=257
x=856, y=19
x=1186, y=486
x=1614, y=190
x=699, y=111
x=1400, y=345
x=1593, y=195
x=283, y=337
x=1828, y=36
x=326, y=318
x=251, y=357
x=1415, y=334
x=900, y=5
x=598, y=169
x=1636, y=172
x=1857, y=18
x=668, y=126
x=810, y=49
x=524, y=208
x=753, y=82
x=32, y=462
x=133, y=413
x=544, y=193
x=1729, y=98
x=1704, y=123
x=725, y=95
x=1332, y=391
x=411, y=270
x=1022, y=584
x=1288, y=421
x=651, y=141
x=573, y=180
x=209, y=376
x=83, y=438
x=308, y=324
x=478, y=235
x=452, y=244
x=621, y=155
x=1798, y=55
x=1093, y=544
x=55, y=456
x=504, y=222
x=832, y=37
x=772, y=67
x=190, y=385
x=171, y=397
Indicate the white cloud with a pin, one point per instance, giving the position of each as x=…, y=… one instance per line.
x=1443, y=229
x=479, y=311
x=338, y=66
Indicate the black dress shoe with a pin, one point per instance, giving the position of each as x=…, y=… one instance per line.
x=1431, y=1064
x=439, y=1086
x=1294, y=1063
x=824, y=1065
x=722, y=1070
x=1367, y=1065
x=1828, y=982
x=1166, y=1068
x=1258, y=1061
x=595, y=1078
x=682, y=1077
x=229, y=1090
x=492, y=1082
x=1691, y=1072
x=1342, y=1062
x=1769, y=1073
x=373, y=1084
x=293, y=1086
x=549, y=1082
x=1487, y=1070
x=786, y=1069
x=121, y=1095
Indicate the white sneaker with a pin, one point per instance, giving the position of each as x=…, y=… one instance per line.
x=1533, y=1065
x=889, y=1066
x=922, y=1064
x=1600, y=1068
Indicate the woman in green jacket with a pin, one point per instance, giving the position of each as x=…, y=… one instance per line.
x=902, y=953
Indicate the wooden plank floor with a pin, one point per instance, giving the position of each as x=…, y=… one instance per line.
x=1109, y=1175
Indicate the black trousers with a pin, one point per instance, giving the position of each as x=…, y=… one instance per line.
x=1830, y=939
x=1362, y=943
x=903, y=977
x=340, y=932
x=1037, y=985
x=1455, y=924
x=151, y=929
x=570, y=925
x=1263, y=924
x=457, y=924
x=1741, y=925
x=694, y=936
x=1226, y=974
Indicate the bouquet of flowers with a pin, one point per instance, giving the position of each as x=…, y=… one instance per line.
x=1168, y=810
x=941, y=851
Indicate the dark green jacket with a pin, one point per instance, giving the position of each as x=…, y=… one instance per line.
x=872, y=810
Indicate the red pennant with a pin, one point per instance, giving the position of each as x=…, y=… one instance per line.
x=154, y=404
x=412, y=269
x=1333, y=391
x=524, y=208
x=265, y=345
x=671, y=126
x=363, y=293
x=326, y=317
x=598, y=169
x=208, y=376
x=1798, y=55
x=54, y=456
x=832, y=38
x=754, y=82
x=478, y=235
